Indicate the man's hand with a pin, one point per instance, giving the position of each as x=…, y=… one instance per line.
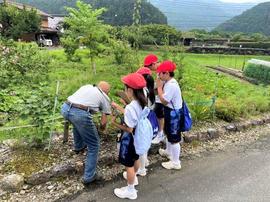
x=113, y=119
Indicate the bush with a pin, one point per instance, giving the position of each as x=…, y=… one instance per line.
x=121, y=51
x=260, y=72
x=162, y=34
x=21, y=63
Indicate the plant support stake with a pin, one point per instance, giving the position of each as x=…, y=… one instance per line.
x=54, y=109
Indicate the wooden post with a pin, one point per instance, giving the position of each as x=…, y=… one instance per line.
x=66, y=131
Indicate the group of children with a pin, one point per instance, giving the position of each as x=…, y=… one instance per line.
x=163, y=96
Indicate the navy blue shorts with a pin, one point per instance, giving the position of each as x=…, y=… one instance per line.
x=127, y=153
x=159, y=110
x=172, y=124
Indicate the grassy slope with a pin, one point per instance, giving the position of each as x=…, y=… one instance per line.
x=235, y=99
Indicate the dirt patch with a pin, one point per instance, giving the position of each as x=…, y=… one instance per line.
x=235, y=73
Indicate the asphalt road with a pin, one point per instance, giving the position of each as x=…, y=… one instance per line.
x=239, y=173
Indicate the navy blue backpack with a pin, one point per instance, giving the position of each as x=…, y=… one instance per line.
x=186, y=120
x=152, y=117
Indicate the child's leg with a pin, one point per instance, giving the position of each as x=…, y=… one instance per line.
x=161, y=125
x=175, y=152
x=128, y=191
x=142, y=170
x=136, y=165
x=131, y=172
x=168, y=147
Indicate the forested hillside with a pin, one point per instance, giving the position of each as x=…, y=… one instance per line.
x=255, y=20
x=199, y=14
x=119, y=12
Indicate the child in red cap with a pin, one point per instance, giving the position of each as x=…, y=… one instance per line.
x=170, y=96
x=151, y=62
x=134, y=85
x=150, y=94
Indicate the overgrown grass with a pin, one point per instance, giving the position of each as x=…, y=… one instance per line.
x=234, y=99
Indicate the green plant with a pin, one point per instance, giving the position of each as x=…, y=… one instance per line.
x=21, y=63
x=121, y=51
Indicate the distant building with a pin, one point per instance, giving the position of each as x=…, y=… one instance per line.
x=56, y=22
x=50, y=33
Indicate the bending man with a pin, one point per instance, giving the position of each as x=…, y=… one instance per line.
x=79, y=109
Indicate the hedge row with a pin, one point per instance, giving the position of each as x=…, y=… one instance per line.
x=263, y=45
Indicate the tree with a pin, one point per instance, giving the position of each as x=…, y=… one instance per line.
x=15, y=22
x=258, y=37
x=85, y=29
x=119, y=12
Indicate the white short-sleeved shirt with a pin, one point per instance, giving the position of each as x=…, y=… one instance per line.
x=172, y=94
x=132, y=114
x=92, y=97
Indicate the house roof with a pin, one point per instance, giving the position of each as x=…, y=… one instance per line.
x=27, y=7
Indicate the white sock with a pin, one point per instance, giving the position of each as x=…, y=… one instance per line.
x=131, y=187
x=143, y=161
x=176, y=151
x=168, y=148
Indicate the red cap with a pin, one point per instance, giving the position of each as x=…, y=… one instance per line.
x=150, y=59
x=144, y=70
x=166, y=66
x=134, y=80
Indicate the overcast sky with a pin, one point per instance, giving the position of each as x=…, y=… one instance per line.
x=244, y=1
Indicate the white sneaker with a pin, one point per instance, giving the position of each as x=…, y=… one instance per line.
x=157, y=140
x=164, y=153
x=142, y=172
x=170, y=165
x=124, y=192
x=136, y=182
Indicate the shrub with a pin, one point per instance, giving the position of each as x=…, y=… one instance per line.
x=121, y=51
x=21, y=63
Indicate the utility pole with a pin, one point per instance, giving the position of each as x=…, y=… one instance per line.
x=137, y=12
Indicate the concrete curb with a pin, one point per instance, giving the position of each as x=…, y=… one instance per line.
x=213, y=133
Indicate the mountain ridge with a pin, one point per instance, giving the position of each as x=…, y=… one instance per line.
x=199, y=14
x=254, y=20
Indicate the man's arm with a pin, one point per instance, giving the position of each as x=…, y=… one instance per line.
x=103, y=121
